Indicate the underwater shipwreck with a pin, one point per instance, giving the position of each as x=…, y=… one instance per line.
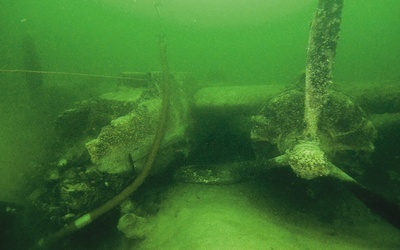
x=165, y=162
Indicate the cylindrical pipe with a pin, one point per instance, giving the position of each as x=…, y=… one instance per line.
x=87, y=218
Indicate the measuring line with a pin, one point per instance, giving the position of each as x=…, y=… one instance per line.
x=67, y=73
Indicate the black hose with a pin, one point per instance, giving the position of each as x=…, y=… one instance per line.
x=124, y=194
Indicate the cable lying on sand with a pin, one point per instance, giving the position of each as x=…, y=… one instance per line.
x=87, y=218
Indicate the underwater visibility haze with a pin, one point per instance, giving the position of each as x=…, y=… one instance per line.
x=200, y=101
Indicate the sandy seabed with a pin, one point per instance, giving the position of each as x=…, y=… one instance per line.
x=238, y=216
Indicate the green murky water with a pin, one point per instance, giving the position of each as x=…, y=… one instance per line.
x=260, y=40
x=220, y=42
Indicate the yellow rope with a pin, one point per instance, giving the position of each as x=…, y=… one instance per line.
x=67, y=74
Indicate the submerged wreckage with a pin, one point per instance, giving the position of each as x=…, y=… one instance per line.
x=104, y=142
